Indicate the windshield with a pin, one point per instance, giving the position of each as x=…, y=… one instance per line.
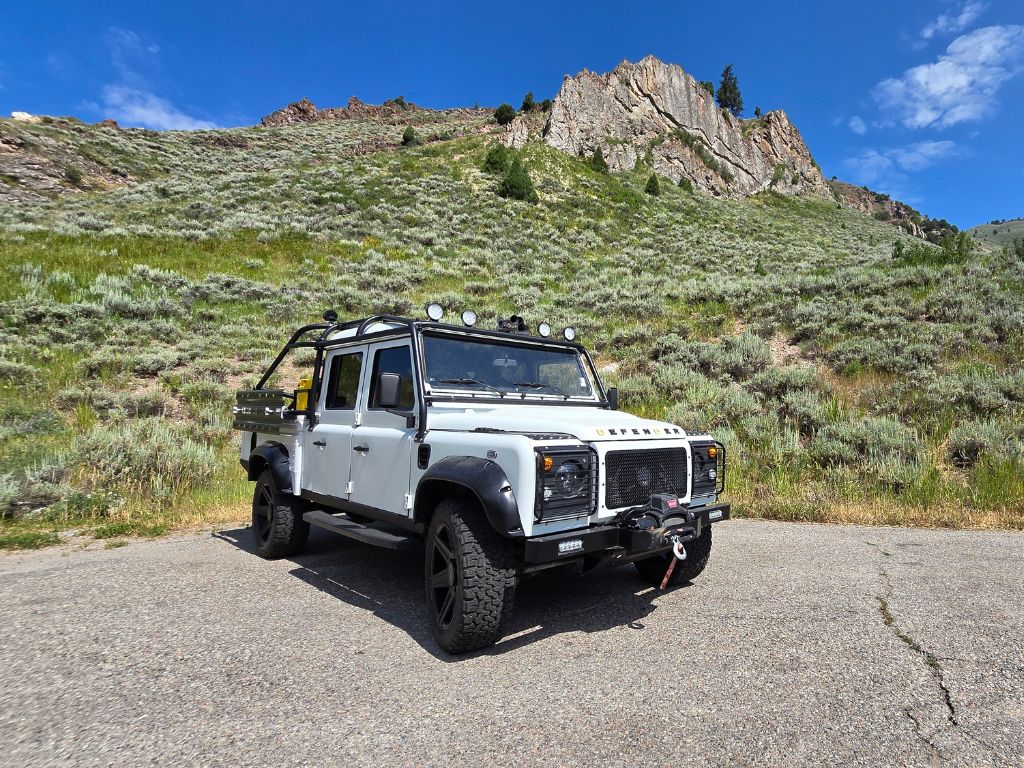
x=489, y=368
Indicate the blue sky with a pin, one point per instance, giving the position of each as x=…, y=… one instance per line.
x=924, y=100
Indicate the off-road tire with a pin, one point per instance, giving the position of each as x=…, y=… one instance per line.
x=698, y=552
x=479, y=577
x=277, y=522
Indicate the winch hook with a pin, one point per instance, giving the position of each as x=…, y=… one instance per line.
x=679, y=554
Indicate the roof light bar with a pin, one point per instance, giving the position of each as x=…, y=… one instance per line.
x=435, y=311
x=569, y=333
x=469, y=317
x=544, y=329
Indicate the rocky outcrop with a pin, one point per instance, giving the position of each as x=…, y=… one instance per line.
x=884, y=208
x=655, y=112
x=305, y=111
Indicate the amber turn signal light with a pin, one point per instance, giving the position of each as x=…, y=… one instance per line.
x=712, y=452
x=549, y=463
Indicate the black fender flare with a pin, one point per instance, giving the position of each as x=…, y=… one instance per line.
x=275, y=456
x=482, y=478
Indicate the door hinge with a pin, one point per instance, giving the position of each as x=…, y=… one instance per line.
x=348, y=488
x=408, y=501
x=357, y=419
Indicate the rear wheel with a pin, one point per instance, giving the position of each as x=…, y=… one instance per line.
x=276, y=520
x=470, y=578
x=698, y=552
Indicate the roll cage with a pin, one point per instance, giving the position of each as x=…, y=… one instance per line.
x=415, y=329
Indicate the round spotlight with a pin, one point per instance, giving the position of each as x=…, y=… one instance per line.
x=469, y=317
x=569, y=333
x=435, y=311
x=544, y=329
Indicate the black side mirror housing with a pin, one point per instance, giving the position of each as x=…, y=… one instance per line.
x=613, y=398
x=388, y=387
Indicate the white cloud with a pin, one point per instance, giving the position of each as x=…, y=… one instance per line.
x=131, y=100
x=889, y=167
x=136, y=107
x=946, y=24
x=961, y=85
x=857, y=125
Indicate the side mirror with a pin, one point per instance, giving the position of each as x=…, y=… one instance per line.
x=612, y=393
x=388, y=387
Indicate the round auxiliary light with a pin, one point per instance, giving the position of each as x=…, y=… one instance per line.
x=544, y=330
x=469, y=317
x=569, y=333
x=435, y=311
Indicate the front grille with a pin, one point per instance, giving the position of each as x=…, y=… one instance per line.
x=632, y=477
x=569, y=489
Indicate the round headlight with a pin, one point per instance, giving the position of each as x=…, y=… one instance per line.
x=469, y=317
x=571, y=479
x=435, y=311
x=569, y=333
x=544, y=330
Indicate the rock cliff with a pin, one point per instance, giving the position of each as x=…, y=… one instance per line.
x=656, y=112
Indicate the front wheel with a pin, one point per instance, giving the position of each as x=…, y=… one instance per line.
x=470, y=578
x=698, y=552
x=276, y=520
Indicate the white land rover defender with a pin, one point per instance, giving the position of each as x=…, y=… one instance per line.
x=502, y=451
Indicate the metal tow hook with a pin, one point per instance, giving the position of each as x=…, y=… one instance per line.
x=679, y=552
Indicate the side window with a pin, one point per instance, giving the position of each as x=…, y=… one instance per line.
x=394, y=360
x=343, y=383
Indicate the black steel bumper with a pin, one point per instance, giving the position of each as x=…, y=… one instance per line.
x=623, y=542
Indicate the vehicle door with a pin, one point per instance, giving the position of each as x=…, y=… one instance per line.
x=328, y=447
x=382, y=445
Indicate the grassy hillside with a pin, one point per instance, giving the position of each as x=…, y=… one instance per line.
x=848, y=383
x=1000, y=233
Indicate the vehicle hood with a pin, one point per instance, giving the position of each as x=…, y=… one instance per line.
x=583, y=423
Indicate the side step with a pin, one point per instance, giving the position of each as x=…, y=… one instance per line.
x=368, y=534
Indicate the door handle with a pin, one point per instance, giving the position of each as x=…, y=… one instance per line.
x=361, y=448
x=321, y=443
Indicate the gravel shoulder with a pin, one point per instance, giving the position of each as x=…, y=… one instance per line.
x=800, y=645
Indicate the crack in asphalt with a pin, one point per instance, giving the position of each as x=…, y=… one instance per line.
x=932, y=661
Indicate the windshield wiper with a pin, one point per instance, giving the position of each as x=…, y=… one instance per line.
x=477, y=382
x=539, y=385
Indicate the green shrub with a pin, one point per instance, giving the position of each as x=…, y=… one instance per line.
x=154, y=457
x=686, y=184
x=497, y=160
x=653, y=187
x=16, y=373
x=505, y=114
x=410, y=138
x=528, y=103
x=597, y=161
x=968, y=442
x=73, y=174
x=517, y=184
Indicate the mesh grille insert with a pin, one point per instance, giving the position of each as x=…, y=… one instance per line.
x=634, y=476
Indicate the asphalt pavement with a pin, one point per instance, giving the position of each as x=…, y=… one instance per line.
x=800, y=645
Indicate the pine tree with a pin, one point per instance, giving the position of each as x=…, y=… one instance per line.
x=517, y=184
x=597, y=161
x=505, y=114
x=528, y=103
x=757, y=111
x=729, y=92
x=497, y=160
x=653, y=187
x=685, y=183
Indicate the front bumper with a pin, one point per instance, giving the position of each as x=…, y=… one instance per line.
x=621, y=542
